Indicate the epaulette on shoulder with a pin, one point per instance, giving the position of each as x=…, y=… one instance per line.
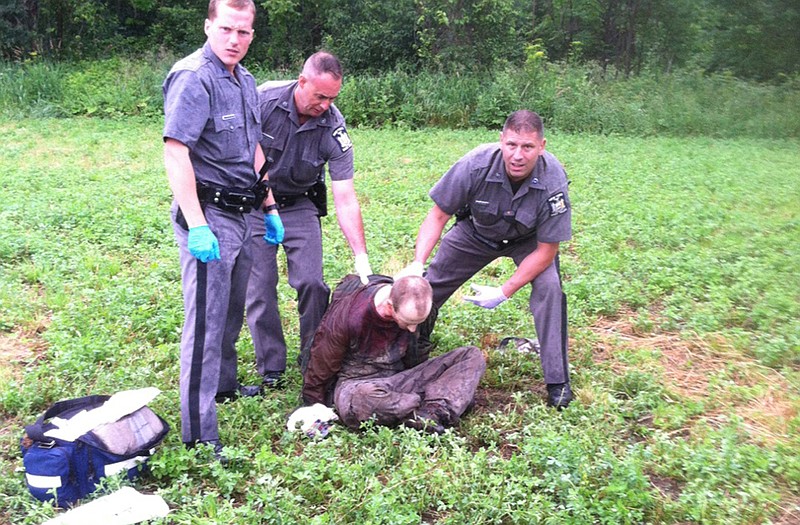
x=192, y=62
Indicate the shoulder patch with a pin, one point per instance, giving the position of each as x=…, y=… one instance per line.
x=557, y=204
x=341, y=136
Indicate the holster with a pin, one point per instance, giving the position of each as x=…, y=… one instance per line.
x=317, y=194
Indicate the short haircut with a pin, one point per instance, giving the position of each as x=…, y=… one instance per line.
x=523, y=121
x=236, y=4
x=412, y=294
x=322, y=62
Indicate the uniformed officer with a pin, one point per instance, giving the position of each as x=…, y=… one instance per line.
x=302, y=130
x=510, y=200
x=211, y=152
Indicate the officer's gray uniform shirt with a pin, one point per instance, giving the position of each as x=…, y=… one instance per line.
x=215, y=114
x=296, y=154
x=539, y=211
x=222, y=136
x=479, y=179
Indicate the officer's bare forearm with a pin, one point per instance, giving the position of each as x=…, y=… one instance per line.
x=182, y=182
x=429, y=233
x=348, y=213
x=530, y=267
x=352, y=226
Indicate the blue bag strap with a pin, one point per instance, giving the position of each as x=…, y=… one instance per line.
x=36, y=430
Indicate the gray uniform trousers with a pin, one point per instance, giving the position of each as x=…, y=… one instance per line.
x=452, y=378
x=213, y=301
x=302, y=243
x=460, y=256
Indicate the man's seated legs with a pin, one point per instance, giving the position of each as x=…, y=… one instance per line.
x=439, y=390
x=360, y=400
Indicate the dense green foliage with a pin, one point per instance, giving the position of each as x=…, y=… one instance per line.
x=683, y=281
x=752, y=39
x=570, y=97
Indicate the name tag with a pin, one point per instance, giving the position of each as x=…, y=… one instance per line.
x=228, y=117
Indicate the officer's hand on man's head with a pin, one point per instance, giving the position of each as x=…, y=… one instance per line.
x=203, y=244
x=363, y=269
x=415, y=269
x=274, y=226
x=487, y=296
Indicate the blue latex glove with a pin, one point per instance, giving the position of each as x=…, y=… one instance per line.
x=274, y=225
x=487, y=296
x=203, y=244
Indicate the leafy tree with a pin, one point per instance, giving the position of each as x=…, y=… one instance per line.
x=452, y=34
x=559, y=23
x=756, y=39
x=372, y=35
x=671, y=34
x=17, y=27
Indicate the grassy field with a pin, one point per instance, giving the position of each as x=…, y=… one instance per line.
x=683, y=278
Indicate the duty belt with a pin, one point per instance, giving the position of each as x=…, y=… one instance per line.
x=236, y=200
x=317, y=194
x=501, y=244
x=284, y=201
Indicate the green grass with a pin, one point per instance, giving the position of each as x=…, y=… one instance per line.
x=683, y=279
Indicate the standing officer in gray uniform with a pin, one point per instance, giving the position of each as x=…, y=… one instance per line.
x=301, y=131
x=211, y=151
x=510, y=200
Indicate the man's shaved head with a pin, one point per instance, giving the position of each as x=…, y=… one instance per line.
x=412, y=298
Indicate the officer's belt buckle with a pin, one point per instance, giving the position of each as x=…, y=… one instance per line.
x=495, y=245
x=236, y=200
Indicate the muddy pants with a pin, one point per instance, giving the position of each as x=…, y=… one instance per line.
x=451, y=378
x=303, y=246
x=213, y=301
x=460, y=256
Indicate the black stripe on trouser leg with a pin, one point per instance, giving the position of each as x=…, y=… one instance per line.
x=196, y=367
x=564, y=336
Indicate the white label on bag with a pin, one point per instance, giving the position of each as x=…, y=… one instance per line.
x=43, y=482
x=114, y=468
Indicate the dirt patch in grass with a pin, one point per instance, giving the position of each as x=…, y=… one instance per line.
x=18, y=350
x=788, y=513
x=668, y=487
x=494, y=400
x=689, y=366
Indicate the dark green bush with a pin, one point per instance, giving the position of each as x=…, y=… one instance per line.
x=570, y=97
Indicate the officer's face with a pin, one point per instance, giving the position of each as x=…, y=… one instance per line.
x=315, y=94
x=230, y=34
x=520, y=150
